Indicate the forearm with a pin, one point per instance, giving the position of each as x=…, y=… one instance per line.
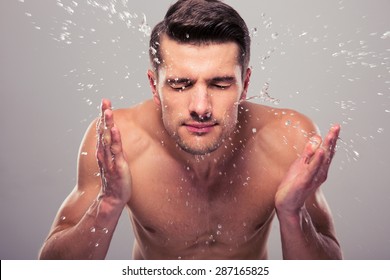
x=89, y=238
x=301, y=240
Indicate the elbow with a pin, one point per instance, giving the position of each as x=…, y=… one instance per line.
x=334, y=249
x=45, y=253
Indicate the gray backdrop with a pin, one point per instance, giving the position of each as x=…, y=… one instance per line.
x=327, y=59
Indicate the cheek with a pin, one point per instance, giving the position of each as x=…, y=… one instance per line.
x=229, y=107
x=231, y=115
x=174, y=102
x=172, y=109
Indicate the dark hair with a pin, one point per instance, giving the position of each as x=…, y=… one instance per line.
x=201, y=22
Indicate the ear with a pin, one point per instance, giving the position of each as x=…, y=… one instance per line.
x=246, y=83
x=153, y=85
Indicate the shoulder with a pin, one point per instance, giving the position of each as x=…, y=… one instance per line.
x=280, y=131
x=284, y=121
x=136, y=125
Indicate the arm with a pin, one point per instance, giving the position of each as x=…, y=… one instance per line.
x=306, y=225
x=87, y=219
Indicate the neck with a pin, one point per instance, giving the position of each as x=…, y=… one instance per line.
x=210, y=165
x=204, y=167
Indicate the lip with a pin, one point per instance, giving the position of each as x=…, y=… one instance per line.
x=199, y=128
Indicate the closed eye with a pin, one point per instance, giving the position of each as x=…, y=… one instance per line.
x=224, y=86
x=179, y=84
x=222, y=82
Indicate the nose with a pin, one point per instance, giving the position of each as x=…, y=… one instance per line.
x=200, y=105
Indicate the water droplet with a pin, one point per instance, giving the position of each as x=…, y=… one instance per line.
x=63, y=218
x=96, y=244
x=380, y=130
x=105, y=230
x=92, y=229
x=254, y=130
x=219, y=226
x=287, y=123
x=179, y=258
x=254, y=32
x=219, y=232
x=84, y=153
x=144, y=27
x=303, y=34
x=153, y=50
x=386, y=35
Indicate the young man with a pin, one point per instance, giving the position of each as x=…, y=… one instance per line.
x=202, y=171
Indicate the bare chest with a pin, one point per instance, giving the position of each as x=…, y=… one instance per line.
x=171, y=208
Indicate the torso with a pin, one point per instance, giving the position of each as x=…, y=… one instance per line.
x=177, y=215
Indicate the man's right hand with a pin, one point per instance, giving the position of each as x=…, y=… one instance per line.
x=114, y=168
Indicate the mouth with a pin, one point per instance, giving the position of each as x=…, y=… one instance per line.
x=200, y=128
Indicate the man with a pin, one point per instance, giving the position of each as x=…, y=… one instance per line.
x=202, y=171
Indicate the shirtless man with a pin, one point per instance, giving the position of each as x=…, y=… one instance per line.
x=201, y=171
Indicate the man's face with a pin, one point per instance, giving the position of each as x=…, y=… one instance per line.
x=199, y=88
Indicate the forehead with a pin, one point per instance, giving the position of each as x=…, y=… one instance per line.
x=200, y=58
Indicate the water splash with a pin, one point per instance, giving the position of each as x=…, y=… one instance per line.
x=264, y=95
x=144, y=27
x=357, y=54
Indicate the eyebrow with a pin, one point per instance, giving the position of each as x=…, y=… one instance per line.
x=178, y=81
x=223, y=79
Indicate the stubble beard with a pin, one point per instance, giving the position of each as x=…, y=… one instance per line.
x=200, y=146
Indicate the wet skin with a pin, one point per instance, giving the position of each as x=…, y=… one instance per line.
x=201, y=171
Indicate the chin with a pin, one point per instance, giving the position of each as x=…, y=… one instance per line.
x=198, y=149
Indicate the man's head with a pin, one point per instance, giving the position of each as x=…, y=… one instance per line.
x=201, y=22
x=200, y=56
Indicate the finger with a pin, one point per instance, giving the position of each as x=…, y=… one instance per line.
x=316, y=163
x=108, y=124
x=103, y=137
x=116, y=142
x=330, y=142
x=310, y=148
x=107, y=139
x=105, y=104
x=116, y=148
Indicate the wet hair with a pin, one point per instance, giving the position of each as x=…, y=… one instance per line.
x=201, y=22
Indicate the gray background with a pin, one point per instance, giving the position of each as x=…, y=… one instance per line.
x=327, y=59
